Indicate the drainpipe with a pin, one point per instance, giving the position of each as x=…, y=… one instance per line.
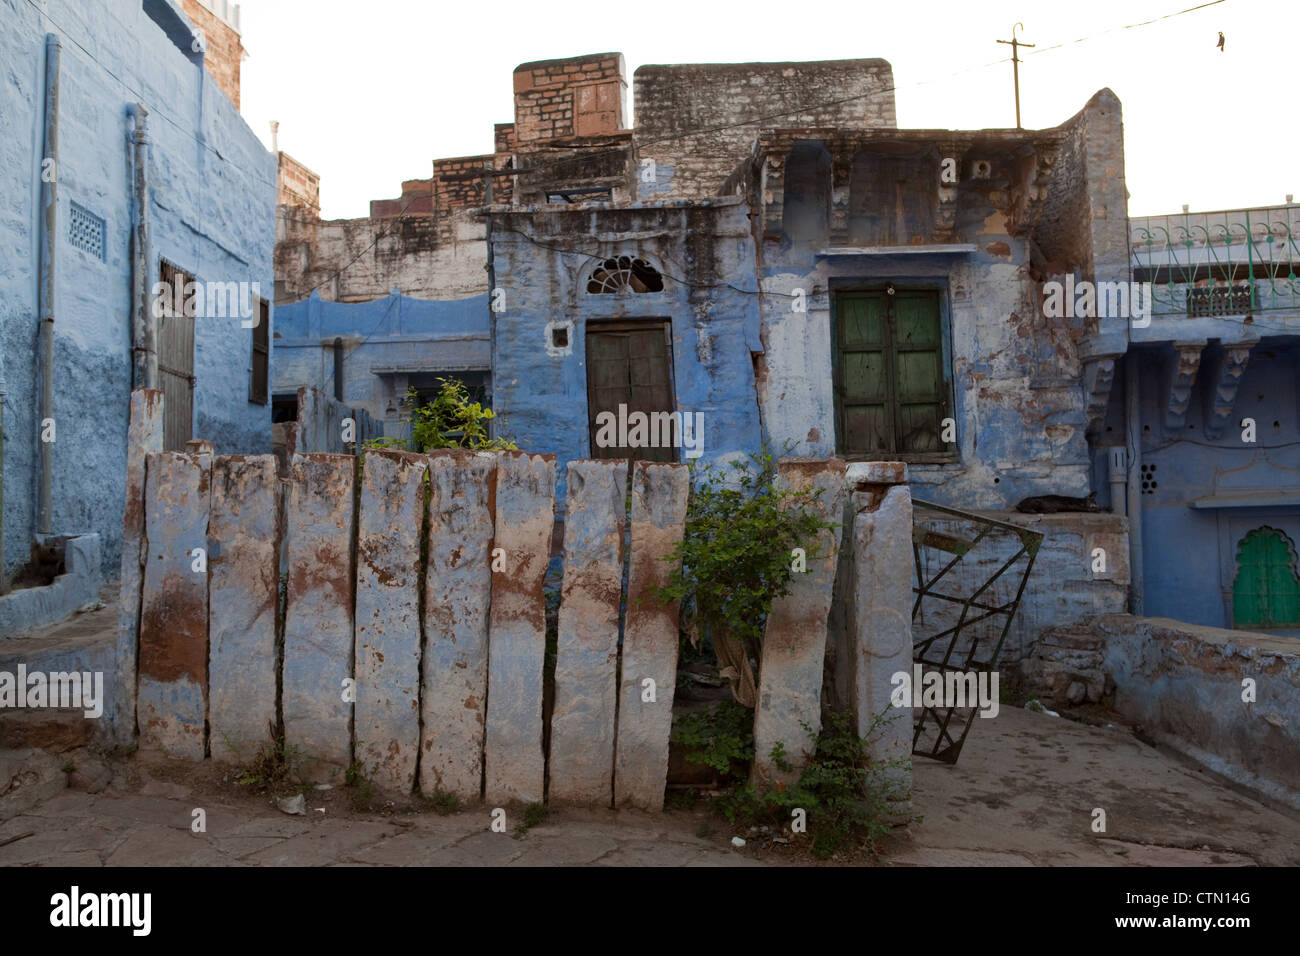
x=144, y=353
x=49, y=236
x=338, y=368
x=1133, y=419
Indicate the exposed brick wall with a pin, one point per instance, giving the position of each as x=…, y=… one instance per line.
x=298, y=186
x=671, y=100
x=504, y=138
x=224, y=52
x=416, y=200
x=581, y=96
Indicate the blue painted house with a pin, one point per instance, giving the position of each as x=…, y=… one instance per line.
x=1214, y=429
x=123, y=165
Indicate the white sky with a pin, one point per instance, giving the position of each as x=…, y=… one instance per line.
x=369, y=93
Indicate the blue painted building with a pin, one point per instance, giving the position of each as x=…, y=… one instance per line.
x=136, y=115
x=1214, y=432
x=367, y=354
x=668, y=291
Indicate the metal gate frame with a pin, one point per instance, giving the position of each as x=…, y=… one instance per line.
x=931, y=651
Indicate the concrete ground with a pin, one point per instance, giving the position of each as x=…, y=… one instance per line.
x=1023, y=793
x=1026, y=787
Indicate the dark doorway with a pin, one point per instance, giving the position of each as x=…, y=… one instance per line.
x=630, y=364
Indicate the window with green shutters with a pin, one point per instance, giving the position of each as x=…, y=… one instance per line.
x=892, y=388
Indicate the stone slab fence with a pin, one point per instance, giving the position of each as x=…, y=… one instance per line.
x=407, y=632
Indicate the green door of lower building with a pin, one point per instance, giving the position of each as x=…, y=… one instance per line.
x=1266, y=592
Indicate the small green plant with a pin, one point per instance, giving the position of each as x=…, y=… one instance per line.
x=844, y=794
x=721, y=737
x=443, y=804
x=361, y=791
x=451, y=420
x=737, y=556
x=682, y=799
x=534, y=815
x=272, y=770
x=69, y=767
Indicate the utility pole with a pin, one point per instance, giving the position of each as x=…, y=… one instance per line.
x=1015, y=65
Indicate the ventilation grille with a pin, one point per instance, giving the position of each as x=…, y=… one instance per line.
x=86, y=231
x=1149, y=480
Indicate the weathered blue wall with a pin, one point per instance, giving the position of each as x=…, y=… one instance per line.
x=212, y=213
x=396, y=332
x=1018, y=404
x=544, y=258
x=1189, y=554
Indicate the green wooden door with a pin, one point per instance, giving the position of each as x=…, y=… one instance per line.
x=891, y=393
x=1266, y=592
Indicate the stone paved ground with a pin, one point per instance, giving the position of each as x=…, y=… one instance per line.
x=1022, y=794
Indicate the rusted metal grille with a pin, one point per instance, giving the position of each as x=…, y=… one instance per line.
x=970, y=573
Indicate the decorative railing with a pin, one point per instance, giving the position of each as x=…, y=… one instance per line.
x=1228, y=263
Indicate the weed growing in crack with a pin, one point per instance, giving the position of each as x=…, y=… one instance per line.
x=534, y=815
x=272, y=770
x=847, y=797
x=443, y=804
x=361, y=792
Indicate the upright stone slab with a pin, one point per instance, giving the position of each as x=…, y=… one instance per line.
x=882, y=624
x=457, y=594
x=144, y=436
x=388, y=617
x=318, y=615
x=514, y=765
x=173, y=686
x=243, y=589
x=794, y=641
x=586, y=663
x=659, y=497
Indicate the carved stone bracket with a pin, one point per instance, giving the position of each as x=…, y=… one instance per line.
x=1187, y=360
x=1099, y=375
x=945, y=222
x=1227, y=380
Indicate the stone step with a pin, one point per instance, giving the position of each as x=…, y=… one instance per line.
x=83, y=644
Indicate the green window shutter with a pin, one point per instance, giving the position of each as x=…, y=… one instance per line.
x=1266, y=592
x=921, y=394
x=891, y=390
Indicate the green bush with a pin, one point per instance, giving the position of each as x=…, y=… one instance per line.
x=844, y=794
x=721, y=737
x=451, y=420
x=736, y=556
